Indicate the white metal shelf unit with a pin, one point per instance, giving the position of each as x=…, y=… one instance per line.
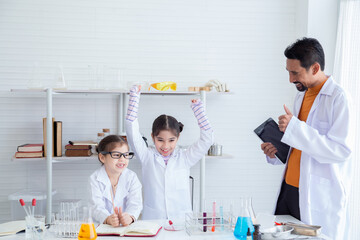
x=121, y=116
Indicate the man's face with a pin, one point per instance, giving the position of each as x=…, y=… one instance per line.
x=298, y=75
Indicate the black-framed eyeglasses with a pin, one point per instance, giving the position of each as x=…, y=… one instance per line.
x=117, y=155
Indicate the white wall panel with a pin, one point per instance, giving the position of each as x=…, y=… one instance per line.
x=238, y=42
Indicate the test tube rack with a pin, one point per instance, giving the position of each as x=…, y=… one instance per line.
x=202, y=223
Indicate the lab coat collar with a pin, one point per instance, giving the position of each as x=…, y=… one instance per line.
x=328, y=88
x=160, y=159
x=104, y=179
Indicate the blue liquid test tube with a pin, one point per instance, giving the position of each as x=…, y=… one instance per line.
x=222, y=218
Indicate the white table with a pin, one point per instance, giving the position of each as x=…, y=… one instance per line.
x=179, y=235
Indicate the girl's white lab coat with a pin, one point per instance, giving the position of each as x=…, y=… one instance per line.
x=325, y=166
x=166, y=187
x=128, y=194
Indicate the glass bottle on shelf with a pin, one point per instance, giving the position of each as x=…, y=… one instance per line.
x=59, y=78
x=87, y=229
x=100, y=136
x=106, y=132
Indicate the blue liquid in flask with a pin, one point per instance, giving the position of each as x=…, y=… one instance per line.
x=241, y=227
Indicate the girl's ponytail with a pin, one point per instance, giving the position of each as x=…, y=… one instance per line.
x=181, y=126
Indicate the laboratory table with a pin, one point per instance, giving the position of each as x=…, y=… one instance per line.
x=179, y=235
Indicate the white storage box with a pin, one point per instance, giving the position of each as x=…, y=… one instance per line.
x=18, y=212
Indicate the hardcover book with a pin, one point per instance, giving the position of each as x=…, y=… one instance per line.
x=78, y=152
x=82, y=143
x=29, y=154
x=58, y=138
x=30, y=148
x=69, y=146
x=45, y=137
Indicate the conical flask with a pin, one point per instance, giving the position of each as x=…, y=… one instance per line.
x=243, y=221
x=251, y=210
x=87, y=229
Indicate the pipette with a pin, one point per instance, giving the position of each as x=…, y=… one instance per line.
x=23, y=205
x=33, y=203
x=171, y=224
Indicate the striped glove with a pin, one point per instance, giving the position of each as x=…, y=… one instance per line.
x=198, y=108
x=133, y=107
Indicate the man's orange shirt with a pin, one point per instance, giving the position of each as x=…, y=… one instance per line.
x=292, y=174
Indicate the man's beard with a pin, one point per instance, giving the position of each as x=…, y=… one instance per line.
x=302, y=88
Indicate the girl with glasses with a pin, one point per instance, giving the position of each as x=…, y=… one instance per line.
x=166, y=168
x=116, y=196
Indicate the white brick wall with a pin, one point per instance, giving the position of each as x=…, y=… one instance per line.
x=190, y=42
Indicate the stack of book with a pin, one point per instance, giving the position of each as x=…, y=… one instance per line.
x=30, y=151
x=77, y=150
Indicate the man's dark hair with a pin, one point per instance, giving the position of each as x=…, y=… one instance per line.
x=307, y=51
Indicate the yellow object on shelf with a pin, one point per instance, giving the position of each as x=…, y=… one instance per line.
x=164, y=86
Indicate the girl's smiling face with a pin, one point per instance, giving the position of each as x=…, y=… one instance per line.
x=112, y=164
x=165, y=142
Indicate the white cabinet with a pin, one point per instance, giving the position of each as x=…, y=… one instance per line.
x=122, y=106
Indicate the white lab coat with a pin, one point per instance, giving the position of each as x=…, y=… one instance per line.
x=128, y=194
x=166, y=187
x=325, y=166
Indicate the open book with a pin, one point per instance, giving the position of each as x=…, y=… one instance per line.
x=137, y=229
x=13, y=227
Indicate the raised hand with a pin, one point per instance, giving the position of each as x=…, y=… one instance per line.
x=269, y=149
x=135, y=89
x=198, y=108
x=134, y=99
x=125, y=218
x=285, y=119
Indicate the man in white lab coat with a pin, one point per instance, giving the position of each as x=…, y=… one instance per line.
x=317, y=176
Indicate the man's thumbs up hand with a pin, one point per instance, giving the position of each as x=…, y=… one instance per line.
x=285, y=119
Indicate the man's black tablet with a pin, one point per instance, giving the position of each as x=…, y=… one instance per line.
x=269, y=131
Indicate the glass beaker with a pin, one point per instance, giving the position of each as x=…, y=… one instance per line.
x=35, y=82
x=59, y=78
x=35, y=227
x=243, y=220
x=87, y=229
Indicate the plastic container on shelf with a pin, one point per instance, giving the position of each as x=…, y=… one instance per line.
x=17, y=211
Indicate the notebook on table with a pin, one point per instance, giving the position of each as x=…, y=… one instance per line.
x=12, y=227
x=137, y=229
x=269, y=131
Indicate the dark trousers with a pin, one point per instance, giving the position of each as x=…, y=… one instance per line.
x=288, y=201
